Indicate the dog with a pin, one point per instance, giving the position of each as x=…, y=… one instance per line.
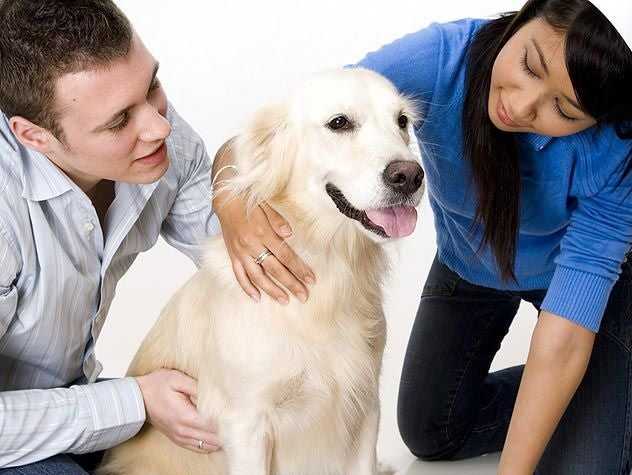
x=294, y=389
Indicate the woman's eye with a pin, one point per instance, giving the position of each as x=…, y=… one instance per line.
x=340, y=123
x=525, y=66
x=562, y=114
x=402, y=121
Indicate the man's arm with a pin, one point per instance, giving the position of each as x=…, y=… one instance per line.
x=37, y=424
x=557, y=361
x=191, y=219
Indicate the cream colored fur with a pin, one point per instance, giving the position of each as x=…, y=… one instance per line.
x=294, y=389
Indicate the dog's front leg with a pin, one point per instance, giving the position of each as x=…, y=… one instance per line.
x=363, y=461
x=248, y=444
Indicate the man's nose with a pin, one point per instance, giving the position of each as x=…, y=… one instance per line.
x=157, y=127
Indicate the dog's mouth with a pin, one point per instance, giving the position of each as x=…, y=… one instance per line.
x=392, y=222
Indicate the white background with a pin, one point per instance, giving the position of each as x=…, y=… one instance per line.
x=219, y=61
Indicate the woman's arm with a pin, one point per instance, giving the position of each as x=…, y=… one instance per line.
x=247, y=236
x=557, y=361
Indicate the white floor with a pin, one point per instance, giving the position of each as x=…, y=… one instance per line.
x=485, y=465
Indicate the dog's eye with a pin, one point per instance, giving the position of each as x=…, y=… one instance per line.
x=402, y=121
x=340, y=122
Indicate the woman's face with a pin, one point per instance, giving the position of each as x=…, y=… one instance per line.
x=531, y=90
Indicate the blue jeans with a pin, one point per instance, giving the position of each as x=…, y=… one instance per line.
x=451, y=407
x=59, y=465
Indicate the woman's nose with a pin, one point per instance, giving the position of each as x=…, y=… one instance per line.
x=524, y=107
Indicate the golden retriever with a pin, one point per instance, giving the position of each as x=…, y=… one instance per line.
x=294, y=389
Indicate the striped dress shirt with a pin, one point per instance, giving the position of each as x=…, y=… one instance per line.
x=58, y=275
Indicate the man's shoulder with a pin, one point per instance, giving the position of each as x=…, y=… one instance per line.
x=13, y=206
x=184, y=141
x=186, y=149
x=11, y=178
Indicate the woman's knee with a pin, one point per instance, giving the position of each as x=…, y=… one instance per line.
x=429, y=445
x=424, y=426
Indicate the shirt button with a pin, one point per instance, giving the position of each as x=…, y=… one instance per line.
x=88, y=227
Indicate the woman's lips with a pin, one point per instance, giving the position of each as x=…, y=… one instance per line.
x=502, y=114
x=155, y=158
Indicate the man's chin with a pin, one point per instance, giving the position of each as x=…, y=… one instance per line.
x=148, y=177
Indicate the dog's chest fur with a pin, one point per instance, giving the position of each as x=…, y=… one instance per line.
x=301, y=361
x=313, y=368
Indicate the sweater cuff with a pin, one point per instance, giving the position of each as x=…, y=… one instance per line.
x=578, y=296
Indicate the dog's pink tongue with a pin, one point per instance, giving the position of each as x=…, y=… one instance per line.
x=396, y=222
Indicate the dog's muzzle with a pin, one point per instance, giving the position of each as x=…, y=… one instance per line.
x=403, y=179
x=391, y=222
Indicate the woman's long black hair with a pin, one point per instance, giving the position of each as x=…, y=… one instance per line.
x=599, y=63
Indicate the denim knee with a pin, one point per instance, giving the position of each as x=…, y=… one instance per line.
x=425, y=432
x=429, y=445
x=57, y=465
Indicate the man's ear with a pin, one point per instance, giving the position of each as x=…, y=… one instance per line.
x=31, y=135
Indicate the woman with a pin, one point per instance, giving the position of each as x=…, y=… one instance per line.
x=541, y=102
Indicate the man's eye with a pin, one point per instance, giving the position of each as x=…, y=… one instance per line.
x=121, y=124
x=154, y=85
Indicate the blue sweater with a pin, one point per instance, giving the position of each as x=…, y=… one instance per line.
x=575, y=223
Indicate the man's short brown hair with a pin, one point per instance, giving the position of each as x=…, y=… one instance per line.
x=42, y=40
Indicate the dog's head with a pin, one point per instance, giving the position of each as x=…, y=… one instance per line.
x=341, y=146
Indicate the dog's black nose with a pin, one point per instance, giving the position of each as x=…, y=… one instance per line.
x=404, y=176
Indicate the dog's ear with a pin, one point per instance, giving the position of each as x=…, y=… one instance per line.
x=264, y=154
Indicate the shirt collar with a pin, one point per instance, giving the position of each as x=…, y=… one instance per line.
x=41, y=178
x=537, y=141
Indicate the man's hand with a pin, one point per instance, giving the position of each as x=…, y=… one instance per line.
x=168, y=396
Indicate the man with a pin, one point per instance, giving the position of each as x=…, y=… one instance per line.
x=94, y=165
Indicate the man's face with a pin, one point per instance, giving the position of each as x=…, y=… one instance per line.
x=114, y=124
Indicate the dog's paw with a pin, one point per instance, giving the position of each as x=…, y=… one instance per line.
x=383, y=469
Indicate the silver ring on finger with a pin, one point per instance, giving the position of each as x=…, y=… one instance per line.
x=200, y=444
x=262, y=257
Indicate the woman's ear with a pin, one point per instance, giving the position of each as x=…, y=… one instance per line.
x=265, y=154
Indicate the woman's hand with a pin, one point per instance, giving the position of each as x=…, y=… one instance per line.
x=168, y=397
x=246, y=237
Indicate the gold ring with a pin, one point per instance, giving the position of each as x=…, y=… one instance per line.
x=262, y=257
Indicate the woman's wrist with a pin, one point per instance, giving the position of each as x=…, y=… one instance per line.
x=223, y=204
